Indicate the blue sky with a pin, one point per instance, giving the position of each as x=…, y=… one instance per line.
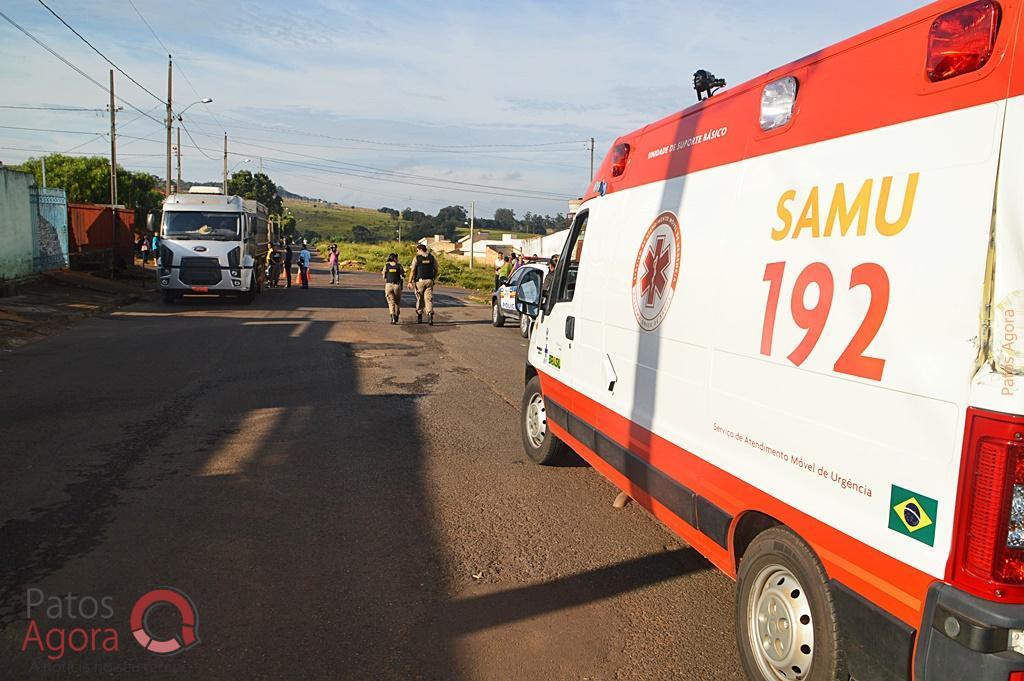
x=441, y=91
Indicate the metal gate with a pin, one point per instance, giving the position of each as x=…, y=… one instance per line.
x=49, y=229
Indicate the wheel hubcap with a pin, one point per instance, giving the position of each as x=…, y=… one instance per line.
x=780, y=626
x=536, y=420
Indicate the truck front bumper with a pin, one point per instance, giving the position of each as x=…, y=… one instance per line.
x=965, y=637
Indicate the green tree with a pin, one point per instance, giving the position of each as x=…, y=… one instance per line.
x=505, y=218
x=86, y=179
x=258, y=187
x=362, y=234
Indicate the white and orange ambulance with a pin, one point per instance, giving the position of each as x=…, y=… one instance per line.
x=789, y=322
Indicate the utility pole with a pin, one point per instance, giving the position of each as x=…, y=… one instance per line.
x=170, y=123
x=472, y=230
x=177, y=185
x=43, y=159
x=113, y=144
x=225, y=164
x=591, y=159
x=261, y=165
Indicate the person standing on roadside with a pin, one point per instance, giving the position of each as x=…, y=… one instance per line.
x=504, y=272
x=145, y=251
x=155, y=247
x=498, y=264
x=288, y=262
x=332, y=259
x=394, y=276
x=304, y=259
x=274, y=259
x=422, y=274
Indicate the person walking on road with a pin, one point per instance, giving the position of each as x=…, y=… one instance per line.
x=422, y=273
x=332, y=260
x=304, y=259
x=394, y=276
x=288, y=262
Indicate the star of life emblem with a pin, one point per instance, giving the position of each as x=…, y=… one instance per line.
x=656, y=271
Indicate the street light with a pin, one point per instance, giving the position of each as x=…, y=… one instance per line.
x=239, y=163
x=204, y=100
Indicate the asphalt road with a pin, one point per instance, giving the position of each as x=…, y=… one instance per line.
x=340, y=498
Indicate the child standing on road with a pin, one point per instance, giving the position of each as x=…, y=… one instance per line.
x=332, y=259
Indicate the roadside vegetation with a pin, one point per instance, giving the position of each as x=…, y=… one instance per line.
x=371, y=258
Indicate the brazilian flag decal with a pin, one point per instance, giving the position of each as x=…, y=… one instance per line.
x=913, y=514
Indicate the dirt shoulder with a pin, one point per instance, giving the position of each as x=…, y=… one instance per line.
x=48, y=304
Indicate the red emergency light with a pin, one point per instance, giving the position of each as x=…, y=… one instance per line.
x=962, y=40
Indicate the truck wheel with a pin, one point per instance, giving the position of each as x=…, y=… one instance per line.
x=247, y=297
x=524, y=325
x=540, y=444
x=497, y=318
x=786, y=625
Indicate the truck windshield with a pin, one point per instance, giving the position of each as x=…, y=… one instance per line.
x=214, y=226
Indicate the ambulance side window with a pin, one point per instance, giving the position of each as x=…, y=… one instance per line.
x=569, y=264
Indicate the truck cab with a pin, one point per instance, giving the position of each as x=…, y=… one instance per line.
x=211, y=243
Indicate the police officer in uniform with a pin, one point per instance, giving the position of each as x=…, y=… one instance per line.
x=422, y=273
x=394, y=276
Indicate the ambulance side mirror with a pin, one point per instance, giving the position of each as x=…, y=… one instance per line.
x=151, y=224
x=528, y=294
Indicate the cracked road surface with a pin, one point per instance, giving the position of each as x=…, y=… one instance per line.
x=340, y=498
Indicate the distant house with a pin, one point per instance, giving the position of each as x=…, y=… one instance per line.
x=438, y=244
x=487, y=249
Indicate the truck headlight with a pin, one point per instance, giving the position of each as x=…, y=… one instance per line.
x=236, y=273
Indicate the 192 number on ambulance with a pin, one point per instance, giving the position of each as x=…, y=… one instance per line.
x=812, y=319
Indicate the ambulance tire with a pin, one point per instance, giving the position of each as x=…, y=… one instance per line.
x=497, y=318
x=539, y=442
x=525, y=322
x=782, y=591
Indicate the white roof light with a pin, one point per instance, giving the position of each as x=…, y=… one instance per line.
x=777, y=101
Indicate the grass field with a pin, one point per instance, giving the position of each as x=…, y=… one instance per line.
x=371, y=258
x=334, y=222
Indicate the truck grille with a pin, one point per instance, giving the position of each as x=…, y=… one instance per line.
x=199, y=271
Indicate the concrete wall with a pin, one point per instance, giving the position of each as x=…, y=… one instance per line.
x=546, y=246
x=16, y=212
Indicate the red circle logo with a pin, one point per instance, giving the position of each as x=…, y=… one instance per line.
x=156, y=598
x=656, y=271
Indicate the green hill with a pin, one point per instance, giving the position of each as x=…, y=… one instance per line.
x=334, y=221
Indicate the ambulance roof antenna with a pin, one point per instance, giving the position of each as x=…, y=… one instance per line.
x=706, y=84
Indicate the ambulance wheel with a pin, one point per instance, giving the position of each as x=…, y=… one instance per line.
x=786, y=624
x=540, y=444
x=497, y=318
x=524, y=325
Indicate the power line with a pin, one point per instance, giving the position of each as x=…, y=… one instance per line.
x=105, y=58
x=198, y=148
x=66, y=132
x=168, y=50
x=296, y=131
x=49, y=108
x=71, y=65
x=408, y=175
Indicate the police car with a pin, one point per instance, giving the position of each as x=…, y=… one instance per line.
x=503, y=301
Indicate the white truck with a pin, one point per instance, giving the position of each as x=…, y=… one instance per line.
x=212, y=244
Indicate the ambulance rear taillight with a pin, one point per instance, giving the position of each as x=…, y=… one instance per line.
x=620, y=156
x=989, y=558
x=962, y=40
